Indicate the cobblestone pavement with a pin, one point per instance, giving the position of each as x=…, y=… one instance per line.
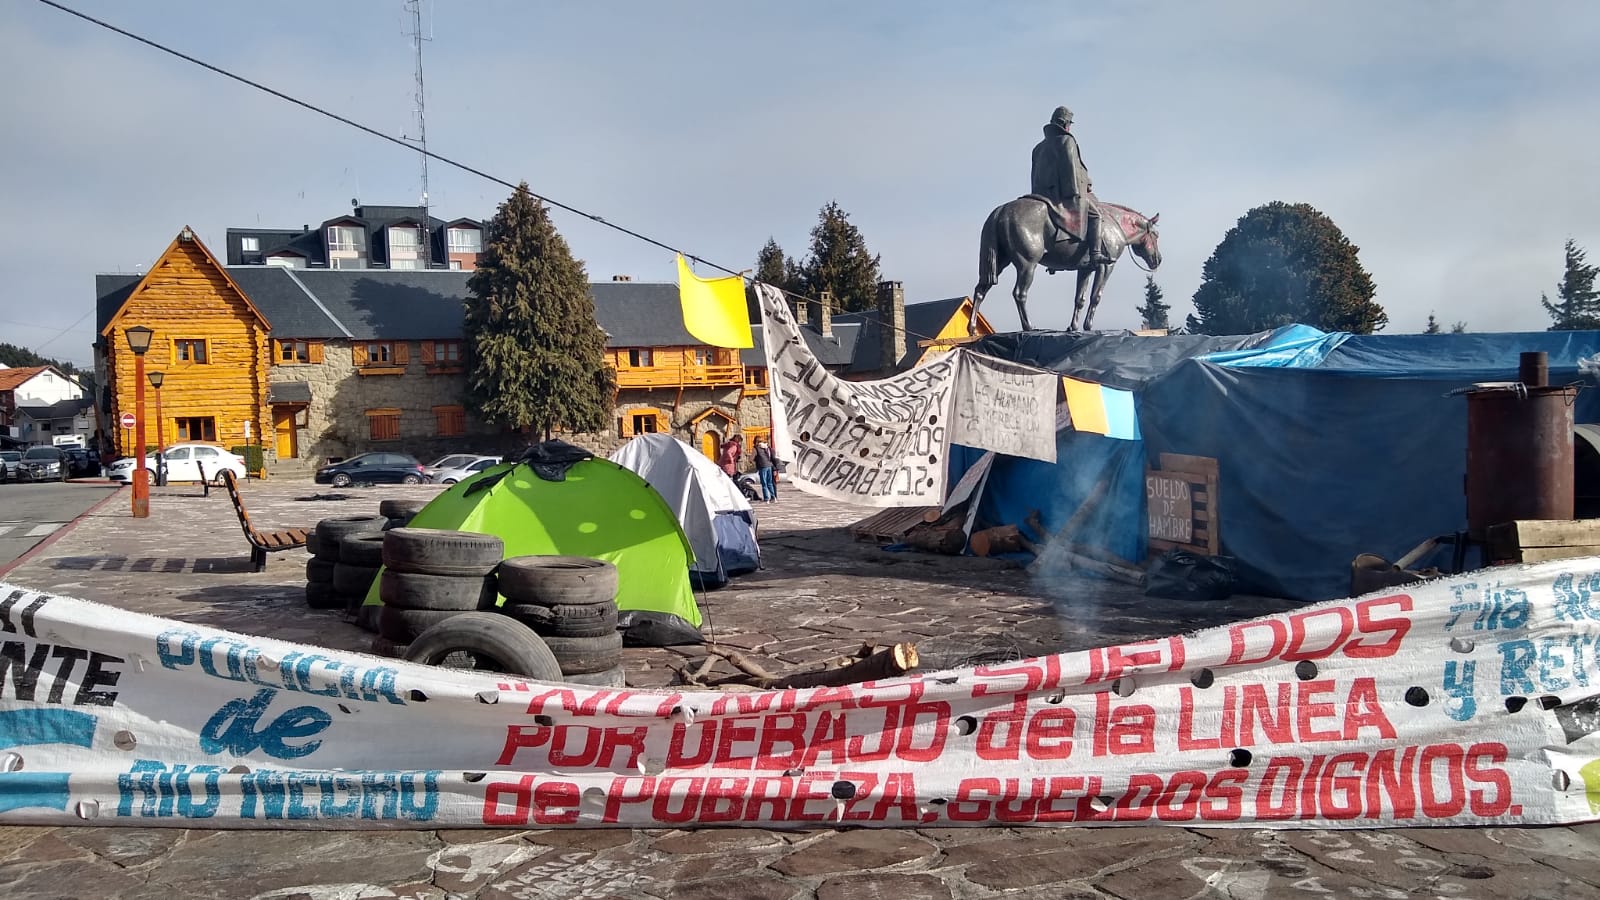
x=820, y=595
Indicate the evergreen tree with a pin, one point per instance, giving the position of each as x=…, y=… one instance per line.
x=21, y=358
x=1281, y=264
x=1577, y=306
x=839, y=262
x=1433, y=325
x=536, y=355
x=776, y=269
x=1154, y=312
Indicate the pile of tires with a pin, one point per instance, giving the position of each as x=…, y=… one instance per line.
x=570, y=603
x=399, y=513
x=431, y=575
x=344, y=561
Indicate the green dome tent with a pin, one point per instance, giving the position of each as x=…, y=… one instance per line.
x=598, y=509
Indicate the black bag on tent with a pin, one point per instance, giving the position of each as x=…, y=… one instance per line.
x=1181, y=575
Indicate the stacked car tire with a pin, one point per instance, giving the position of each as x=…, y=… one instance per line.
x=431, y=575
x=570, y=602
x=399, y=513
x=337, y=577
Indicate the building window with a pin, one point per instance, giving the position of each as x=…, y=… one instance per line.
x=287, y=261
x=404, y=264
x=704, y=356
x=381, y=357
x=190, y=350
x=451, y=421
x=380, y=354
x=383, y=424
x=455, y=264
x=348, y=262
x=250, y=245
x=346, y=238
x=641, y=421
x=755, y=377
x=197, y=428
x=644, y=423
x=299, y=352
x=466, y=240
x=441, y=354
x=640, y=359
x=405, y=238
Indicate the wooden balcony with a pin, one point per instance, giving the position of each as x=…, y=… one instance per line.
x=680, y=376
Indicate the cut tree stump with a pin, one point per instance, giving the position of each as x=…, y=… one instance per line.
x=886, y=663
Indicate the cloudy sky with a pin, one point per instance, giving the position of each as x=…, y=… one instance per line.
x=1454, y=142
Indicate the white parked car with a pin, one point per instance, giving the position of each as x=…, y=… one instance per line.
x=184, y=463
x=464, y=467
x=450, y=461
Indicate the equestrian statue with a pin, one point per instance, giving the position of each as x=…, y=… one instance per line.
x=1059, y=225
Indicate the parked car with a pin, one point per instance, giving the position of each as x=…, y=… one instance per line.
x=448, y=461
x=373, y=468
x=467, y=467
x=184, y=463
x=43, y=464
x=79, y=461
x=10, y=460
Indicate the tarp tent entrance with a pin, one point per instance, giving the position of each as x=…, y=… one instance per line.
x=598, y=509
x=711, y=509
x=1328, y=445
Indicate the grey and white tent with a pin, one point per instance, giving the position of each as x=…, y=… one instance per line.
x=713, y=512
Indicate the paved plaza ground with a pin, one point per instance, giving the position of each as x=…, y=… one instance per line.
x=819, y=596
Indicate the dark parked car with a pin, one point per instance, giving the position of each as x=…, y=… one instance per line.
x=44, y=464
x=373, y=468
x=81, y=462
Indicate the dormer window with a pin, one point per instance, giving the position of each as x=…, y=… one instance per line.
x=250, y=245
x=346, y=239
x=404, y=238
x=465, y=240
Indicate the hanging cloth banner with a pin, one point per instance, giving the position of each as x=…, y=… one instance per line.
x=1004, y=407
x=871, y=443
x=1473, y=700
x=713, y=308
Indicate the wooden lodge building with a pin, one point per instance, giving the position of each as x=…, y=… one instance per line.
x=321, y=362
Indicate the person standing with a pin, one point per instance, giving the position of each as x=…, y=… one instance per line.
x=766, y=470
x=730, y=455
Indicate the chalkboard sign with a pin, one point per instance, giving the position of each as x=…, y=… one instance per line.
x=1181, y=504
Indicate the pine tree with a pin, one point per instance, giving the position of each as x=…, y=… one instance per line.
x=1433, y=325
x=1154, y=311
x=839, y=262
x=776, y=269
x=1281, y=264
x=536, y=355
x=1577, y=306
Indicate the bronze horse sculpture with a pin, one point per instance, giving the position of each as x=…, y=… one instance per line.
x=1020, y=234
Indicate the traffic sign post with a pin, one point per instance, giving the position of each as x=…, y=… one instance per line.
x=128, y=420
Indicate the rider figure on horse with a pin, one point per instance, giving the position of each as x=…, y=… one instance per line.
x=1061, y=179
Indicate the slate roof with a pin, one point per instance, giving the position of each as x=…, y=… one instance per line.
x=111, y=291
x=282, y=298
x=288, y=392
x=61, y=409
x=390, y=304
x=310, y=242
x=924, y=321
x=835, y=351
x=640, y=314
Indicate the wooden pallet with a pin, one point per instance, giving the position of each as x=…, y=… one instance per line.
x=1533, y=540
x=889, y=526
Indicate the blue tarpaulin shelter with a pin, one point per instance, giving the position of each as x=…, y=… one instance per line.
x=1328, y=445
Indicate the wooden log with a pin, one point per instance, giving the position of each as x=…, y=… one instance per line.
x=742, y=663
x=946, y=538
x=932, y=514
x=886, y=663
x=1085, y=509
x=999, y=539
x=1105, y=556
x=1112, y=571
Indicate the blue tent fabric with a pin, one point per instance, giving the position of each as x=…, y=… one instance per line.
x=736, y=542
x=1289, y=347
x=1360, y=453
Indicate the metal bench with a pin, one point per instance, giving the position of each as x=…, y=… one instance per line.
x=261, y=543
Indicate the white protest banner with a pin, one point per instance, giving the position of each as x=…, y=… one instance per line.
x=1004, y=407
x=871, y=443
x=1470, y=700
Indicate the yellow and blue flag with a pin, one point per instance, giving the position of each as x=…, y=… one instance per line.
x=1098, y=409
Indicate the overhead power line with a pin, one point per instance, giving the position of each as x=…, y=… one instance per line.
x=412, y=146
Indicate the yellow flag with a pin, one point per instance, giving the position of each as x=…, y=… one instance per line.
x=713, y=308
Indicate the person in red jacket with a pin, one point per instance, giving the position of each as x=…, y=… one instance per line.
x=732, y=452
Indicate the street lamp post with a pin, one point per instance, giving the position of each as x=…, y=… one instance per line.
x=161, y=431
x=139, y=342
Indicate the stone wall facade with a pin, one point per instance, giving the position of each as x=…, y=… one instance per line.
x=336, y=424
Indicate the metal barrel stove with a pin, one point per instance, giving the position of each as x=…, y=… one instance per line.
x=1519, y=449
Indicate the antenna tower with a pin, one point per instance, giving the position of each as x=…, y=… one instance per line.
x=415, y=8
